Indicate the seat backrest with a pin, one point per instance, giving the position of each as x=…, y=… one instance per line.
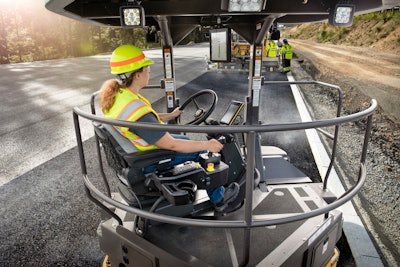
x=124, y=146
x=111, y=144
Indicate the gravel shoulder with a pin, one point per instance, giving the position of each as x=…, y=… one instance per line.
x=363, y=74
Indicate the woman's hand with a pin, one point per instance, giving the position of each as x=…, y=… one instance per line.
x=176, y=112
x=214, y=146
x=170, y=116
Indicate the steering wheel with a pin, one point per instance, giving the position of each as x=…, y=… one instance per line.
x=198, y=107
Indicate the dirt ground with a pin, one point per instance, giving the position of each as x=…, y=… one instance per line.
x=375, y=73
x=363, y=74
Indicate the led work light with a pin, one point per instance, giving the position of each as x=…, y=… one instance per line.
x=132, y=16
x=342, y=15
x=243, y=5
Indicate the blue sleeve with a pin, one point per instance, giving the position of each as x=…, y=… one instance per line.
x=149, y=136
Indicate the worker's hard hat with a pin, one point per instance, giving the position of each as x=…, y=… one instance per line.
x=285, y=41
x=127, y=58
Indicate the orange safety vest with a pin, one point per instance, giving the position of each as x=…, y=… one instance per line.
x=129, y=106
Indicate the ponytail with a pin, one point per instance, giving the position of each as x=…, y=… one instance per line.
x=109, y=90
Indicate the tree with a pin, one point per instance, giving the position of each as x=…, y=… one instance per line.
x=34, y=33
x=3, y=39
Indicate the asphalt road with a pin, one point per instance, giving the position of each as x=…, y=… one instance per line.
x=46, y=219
x=37, y=99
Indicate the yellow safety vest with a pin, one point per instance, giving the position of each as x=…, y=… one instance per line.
x=272, y=49
x=129, y=106
x=287, y=52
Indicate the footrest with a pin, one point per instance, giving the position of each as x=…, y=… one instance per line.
x=180, y=193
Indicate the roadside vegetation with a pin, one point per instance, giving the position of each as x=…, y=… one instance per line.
x=33, y=33
x=29, y=32
x=380, y=30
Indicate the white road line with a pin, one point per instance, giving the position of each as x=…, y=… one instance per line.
x=362, y=248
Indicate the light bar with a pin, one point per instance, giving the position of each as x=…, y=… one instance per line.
x=342, y=15
x=246, y=5
x=132, y=16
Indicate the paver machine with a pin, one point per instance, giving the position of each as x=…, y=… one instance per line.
x=165, y=218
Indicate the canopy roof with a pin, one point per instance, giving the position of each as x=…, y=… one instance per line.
x=185, y=15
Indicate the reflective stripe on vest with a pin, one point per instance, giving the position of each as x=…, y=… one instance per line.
x=131, y=107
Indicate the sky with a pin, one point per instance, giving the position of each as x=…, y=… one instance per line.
x=25, y=2
x=35, y=4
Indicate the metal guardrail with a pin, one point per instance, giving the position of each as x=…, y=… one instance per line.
x=251, y=131
x=333, y=136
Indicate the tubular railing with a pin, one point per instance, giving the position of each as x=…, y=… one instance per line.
x=251, y=131
x=335, y=135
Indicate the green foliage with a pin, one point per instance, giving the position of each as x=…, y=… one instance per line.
x=384, y=15
x=326, y=34
x=36, y=34
x=366, y=30
x=343, y=32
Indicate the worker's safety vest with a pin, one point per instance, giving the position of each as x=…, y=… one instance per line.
x=272, y=49
x=287, y=52
x=129, y=106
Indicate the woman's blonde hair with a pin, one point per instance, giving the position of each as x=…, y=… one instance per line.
x=110, y=89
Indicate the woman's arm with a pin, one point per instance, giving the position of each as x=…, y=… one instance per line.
x=165, y=141
x=187, y=146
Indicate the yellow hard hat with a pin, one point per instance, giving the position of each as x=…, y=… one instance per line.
x=127, y=58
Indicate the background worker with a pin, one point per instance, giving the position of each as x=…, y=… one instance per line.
x=286, y=55
x=272, y=54
x=272, y=49
x=121, y=99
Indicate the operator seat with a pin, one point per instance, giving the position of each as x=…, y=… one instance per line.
x=127, y=161
x=141, y=190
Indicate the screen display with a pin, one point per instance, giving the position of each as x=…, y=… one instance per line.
x=231, y=113
x=220, y=45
